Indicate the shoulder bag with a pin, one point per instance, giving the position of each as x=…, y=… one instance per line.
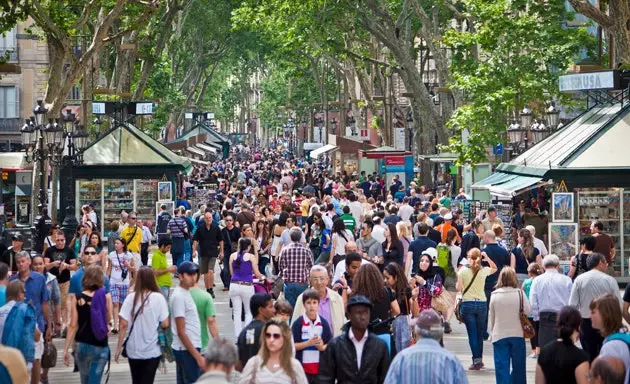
x=124, y=345
x=458, y=306
x=528, y=329
x=123, y=271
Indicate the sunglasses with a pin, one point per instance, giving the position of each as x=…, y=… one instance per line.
x=132, y=218
x=276, y=336
x=89, y=253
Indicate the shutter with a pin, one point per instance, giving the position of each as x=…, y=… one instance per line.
x=9, y=104
x=17, y=102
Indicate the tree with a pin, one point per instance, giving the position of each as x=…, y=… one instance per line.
x=508, y=57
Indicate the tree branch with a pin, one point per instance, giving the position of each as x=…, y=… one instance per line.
x=590, y=11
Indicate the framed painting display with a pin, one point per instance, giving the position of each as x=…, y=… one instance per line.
x=563, y=240
x=165, y=191
x=562, y=207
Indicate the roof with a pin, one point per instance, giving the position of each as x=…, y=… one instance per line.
x=127, y=145
x=201, y=129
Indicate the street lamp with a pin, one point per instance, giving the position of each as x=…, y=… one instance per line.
x=333, y=128
x=410, y=127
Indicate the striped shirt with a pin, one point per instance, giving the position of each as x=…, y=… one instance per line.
x=177, y=225
x=310, y=355
x=426, y=362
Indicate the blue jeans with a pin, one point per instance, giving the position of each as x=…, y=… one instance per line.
x=292, y=291
x=187, y=369
x=91, y=361
x=475, y=317
x=506, y=350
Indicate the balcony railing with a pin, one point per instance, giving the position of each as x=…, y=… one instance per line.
x=10, y=125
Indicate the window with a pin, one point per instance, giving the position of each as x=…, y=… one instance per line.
x=75, y=93
x=8, y=42
x=9, y=102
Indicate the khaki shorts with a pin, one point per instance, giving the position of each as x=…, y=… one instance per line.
x=206, y=264
x=63, y=288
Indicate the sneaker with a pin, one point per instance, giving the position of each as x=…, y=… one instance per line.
x=533, y=356
x=447, y=327
x=475, y=367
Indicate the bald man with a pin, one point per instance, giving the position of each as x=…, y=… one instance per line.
x=608, y=370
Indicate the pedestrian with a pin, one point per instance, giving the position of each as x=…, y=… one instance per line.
x=492, y=219
x=607, y=319
x=608, y=370
x=248, y=341
x=221, y=357
x=141, y=311
x=605, y=244
x=538, y=243
x=178, y=229
x=505, y=328
x=357, y=356
x=60, y=260
x=427, y=361
x=407, y=299
x=340, y=237
x=208, y=244
x=147, y=237
x=418, y=246
x=393, y=250
x=295, y=264
x=331, y=306
x=97, y=244
x=586, y=288
x=185, y=325
x=626, y=304
x=160, y=266
x=118, y=270
x=13, y=364
x=578, y=262
x=560, y=361
x=243, y=265
x=89, y=311
x=524, y=254
x=534, y=270
x=206, y=311
x=549, y=293
x=8, y=256
x=274, y=362
x=501, y=257
x=132, y=235
x=4, y=280
x=311, y=333
x=231, y=234
x=474, y=307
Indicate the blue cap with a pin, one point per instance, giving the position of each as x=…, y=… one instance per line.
x=187, y=267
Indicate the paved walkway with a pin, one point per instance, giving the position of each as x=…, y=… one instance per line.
x=456, y=342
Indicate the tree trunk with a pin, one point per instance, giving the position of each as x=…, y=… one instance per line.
x=620, y=31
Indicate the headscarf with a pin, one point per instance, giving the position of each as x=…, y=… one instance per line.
x=430, y=272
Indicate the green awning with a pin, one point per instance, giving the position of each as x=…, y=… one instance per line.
x=508, y=185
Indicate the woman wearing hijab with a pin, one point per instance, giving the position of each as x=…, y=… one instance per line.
x=428, y=281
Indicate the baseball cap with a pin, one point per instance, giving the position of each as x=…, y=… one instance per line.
x=429, y=320
x=187, y=267
x=358, y=300
x=448, y=216
x=17, y=237
x=431, y=252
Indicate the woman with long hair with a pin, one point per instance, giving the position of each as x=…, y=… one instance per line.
x=505, y=327
x=275, y=362
x=261, y=235
x=561, y=361
x=50, y=239
x=276, y=238
x=393, y=251
x=524, y=254
x=91, y=351
x=119, y=268
x=340, y=237
x=407, y=300
x=474, y=307
x=243, y=264
x=318, y=232
x=141, y=310
x=95, y=241
x=606, y=316
x=402, y=229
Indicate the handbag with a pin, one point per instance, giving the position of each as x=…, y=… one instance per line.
x=124, y=345
x=124, y=271
x=458, y=306
x=528, y=329
x=49, y=357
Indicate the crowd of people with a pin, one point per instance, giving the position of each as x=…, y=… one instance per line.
x=332, y=277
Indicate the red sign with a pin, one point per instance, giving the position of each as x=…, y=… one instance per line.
x=395, y=160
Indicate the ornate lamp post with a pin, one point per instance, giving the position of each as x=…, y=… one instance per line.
x=410, y=127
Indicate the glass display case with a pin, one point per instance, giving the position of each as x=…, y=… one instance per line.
x=146, y=196
x=604, y=206
x=117, y=195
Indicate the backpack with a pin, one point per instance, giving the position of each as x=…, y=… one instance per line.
x=19, y=330
x=444, y=257
x=98, y=315
x=623, y=336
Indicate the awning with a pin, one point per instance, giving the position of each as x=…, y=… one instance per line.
x=312, y=146
x=206, y=148
x=195, y=161
x=196, y=151
x=445, y=157
x=508, y=185
x=322, y=150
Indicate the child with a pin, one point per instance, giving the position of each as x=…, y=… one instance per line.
x=311, y=333
x=533, y=270
x=284, y=310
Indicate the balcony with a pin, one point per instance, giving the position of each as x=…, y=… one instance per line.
x=10, y=125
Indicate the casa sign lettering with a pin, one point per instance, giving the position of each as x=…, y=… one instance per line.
x=588, y=81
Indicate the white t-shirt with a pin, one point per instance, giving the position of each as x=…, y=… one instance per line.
x=182, y=305
x=356, y=209
x=4, y=312
x=340, y=269
x=125, y=259
x=340, y=242
x=405, y=212
x=143, y=341
x=378, y=233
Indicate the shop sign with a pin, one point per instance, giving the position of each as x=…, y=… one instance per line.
x=589, y=81
x=5, y=175
x=395, y=160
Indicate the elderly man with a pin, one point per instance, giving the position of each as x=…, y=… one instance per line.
x=330, y=303
x=608, y=370
x=587, y=287
x=221, y=356
x=295, y=262
x=538, y=244
x=548, y=294
x=427, y=359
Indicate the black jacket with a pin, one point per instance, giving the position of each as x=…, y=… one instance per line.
x=339, y=361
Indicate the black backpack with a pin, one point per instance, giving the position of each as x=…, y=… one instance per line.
x=162, y=224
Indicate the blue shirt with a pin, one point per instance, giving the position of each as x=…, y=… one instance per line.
x=418, y=246
x=36, y=293
x=424, y=363
x=501, y=258
x=76, y=286
x=3, y=295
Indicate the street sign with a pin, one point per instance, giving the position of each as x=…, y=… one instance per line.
x=497, y=150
